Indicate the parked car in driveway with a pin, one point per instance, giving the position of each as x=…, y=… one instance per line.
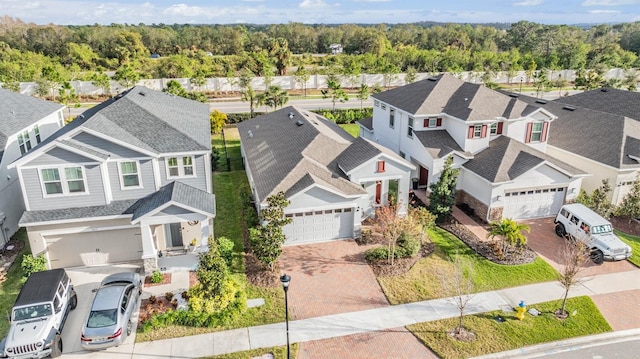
x=108, y=323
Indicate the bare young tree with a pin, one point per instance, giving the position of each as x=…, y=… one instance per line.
x=574, y=255
x=459, y=287
x=392, y=227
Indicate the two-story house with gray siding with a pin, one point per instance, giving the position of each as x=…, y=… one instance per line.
x=25, y=122
x=125, y=181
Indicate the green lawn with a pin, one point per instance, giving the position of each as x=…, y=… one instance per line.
x=352, y=128
x=634, y=242
x=493, y=337
x=420, y=282
x=11, y=286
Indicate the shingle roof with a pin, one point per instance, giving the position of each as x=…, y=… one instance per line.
x=609, y=100
x=281, y=150
x=506, y=159
x=580, y=130
x=20, y=111
x=448, y=94
x=178, y=193
x=359, y=152
x=367, y=123
x=439, y=143
x=175, y=191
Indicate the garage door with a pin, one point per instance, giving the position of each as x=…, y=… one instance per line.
x=533, y=203
x=319, y=226
x=93, y=248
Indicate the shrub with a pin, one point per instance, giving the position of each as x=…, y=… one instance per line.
x=169, y=295
x=156, y=277
x=406, y=246
x=225, y=246
x=31, y=264
x=376, y=254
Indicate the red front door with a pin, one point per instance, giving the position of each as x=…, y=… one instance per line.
x=424, y=176
x=378, y=192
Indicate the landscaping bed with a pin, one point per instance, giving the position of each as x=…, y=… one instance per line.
x=382, y=268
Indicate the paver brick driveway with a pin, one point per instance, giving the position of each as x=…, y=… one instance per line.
x=548, y=245
x=329, y=278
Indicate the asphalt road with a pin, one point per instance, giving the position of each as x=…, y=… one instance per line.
x=615, y=349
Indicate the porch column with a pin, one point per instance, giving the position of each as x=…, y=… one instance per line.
x=149, y=251
x=403, y=194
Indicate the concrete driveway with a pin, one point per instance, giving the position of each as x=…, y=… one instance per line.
x=548, y=245
x=85, y=280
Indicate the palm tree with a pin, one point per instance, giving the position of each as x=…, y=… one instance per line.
x=509, y=231
x=275, y=97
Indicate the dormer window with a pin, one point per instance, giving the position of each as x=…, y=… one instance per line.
x=536, y=132
x=410, y=128
x=24, y=142
x=381, y=166
x=477, y=131
x=432, y=122
x=36, y=132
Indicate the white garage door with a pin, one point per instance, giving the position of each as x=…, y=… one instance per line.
x=533, y=203
x=92, y=248
x=319, y=226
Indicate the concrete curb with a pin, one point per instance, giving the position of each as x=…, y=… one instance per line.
x=540, y=350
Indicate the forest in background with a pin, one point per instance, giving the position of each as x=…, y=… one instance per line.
x=52, y=55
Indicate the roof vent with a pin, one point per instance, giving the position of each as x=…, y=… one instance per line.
x=250, y=134
x=541, y=101
x=434, y=79
x=291, y=114
x=299, y=123
x=514, y=95
x=81, y=116
x=567, y=107
x=142, y=93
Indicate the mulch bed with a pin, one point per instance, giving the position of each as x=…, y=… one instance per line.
x=152, y=306
x=258, y=275
x=166, y=279
x=626, y=225
x=383, y=268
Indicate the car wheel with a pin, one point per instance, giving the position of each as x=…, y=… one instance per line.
x=129, y=328
x=560, y=232
x=597, y=256
x=56, y=349
x=74, y=302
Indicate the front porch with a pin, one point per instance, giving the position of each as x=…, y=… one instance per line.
x=179, y=260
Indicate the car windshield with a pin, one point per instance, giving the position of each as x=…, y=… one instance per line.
x=605, y=228
x=34, y=311
x=102, y=318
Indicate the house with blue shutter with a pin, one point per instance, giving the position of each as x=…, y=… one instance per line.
x=129, y=179
x=25, y=122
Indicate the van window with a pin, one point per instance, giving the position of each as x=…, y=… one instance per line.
x=56, y=304
x=60, y=290
x=575, y=220
x=564, y=213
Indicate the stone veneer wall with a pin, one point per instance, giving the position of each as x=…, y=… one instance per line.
x=150, y=265
x=479, y=208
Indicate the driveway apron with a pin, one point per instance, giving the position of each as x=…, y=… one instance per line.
x=329, y=278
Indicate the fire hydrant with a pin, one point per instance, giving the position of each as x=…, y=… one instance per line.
x=521, y=309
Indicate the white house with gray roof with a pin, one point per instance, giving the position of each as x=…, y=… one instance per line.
x=332, y=180
x=128, y=180
x=25, y=121
x=598, y=131
x=497, y=141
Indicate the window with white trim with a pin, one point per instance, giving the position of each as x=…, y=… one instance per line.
x=536, y=132
x=129, y=174
x=477, y=131
x=433, y=122
x=180, y=167
x=410, y=127
x=493, y=129
x=62, y=181
x=24, y=142
x=392, y=117
x=36, y=132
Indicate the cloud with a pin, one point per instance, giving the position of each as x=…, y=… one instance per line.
x=528, y=3
x=183, y=10
x=371, y=0
x=604, y=12
x=609, y=2
x=308, y=4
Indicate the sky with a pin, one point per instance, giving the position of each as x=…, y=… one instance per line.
x=87, y=12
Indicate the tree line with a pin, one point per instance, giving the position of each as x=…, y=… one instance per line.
x=53, y=54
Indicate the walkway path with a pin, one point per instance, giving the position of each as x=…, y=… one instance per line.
x=367, y=321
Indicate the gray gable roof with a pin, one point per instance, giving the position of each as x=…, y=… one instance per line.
x=20, y=111
x=450, y=95
x=609, y=100
x=367, y=123
x=580, y=130
x=439, y=143
x=283, y=146
x=359, y=152
x=506, y=159
x=174, y=191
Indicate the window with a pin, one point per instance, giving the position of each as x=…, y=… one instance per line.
x=36, y=132
x=380, y=166
x=376, y=103
x=477, y=131
x=383, y=106
x=392, y=117
x=60, y=119
x=75, y=180
x=403, y=155
x=536, y=132
x=180, y=166
x=410, y=128
x=129, y=176
x=432, y=122
x=24, y=142
x=69, y=180
x=493, y=130
x=51, y=180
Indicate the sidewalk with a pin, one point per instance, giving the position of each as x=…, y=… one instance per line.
x=372, y=320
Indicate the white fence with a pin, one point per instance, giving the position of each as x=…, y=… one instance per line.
x=226, y=84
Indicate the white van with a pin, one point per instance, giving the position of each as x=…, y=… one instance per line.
x=579, y=222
